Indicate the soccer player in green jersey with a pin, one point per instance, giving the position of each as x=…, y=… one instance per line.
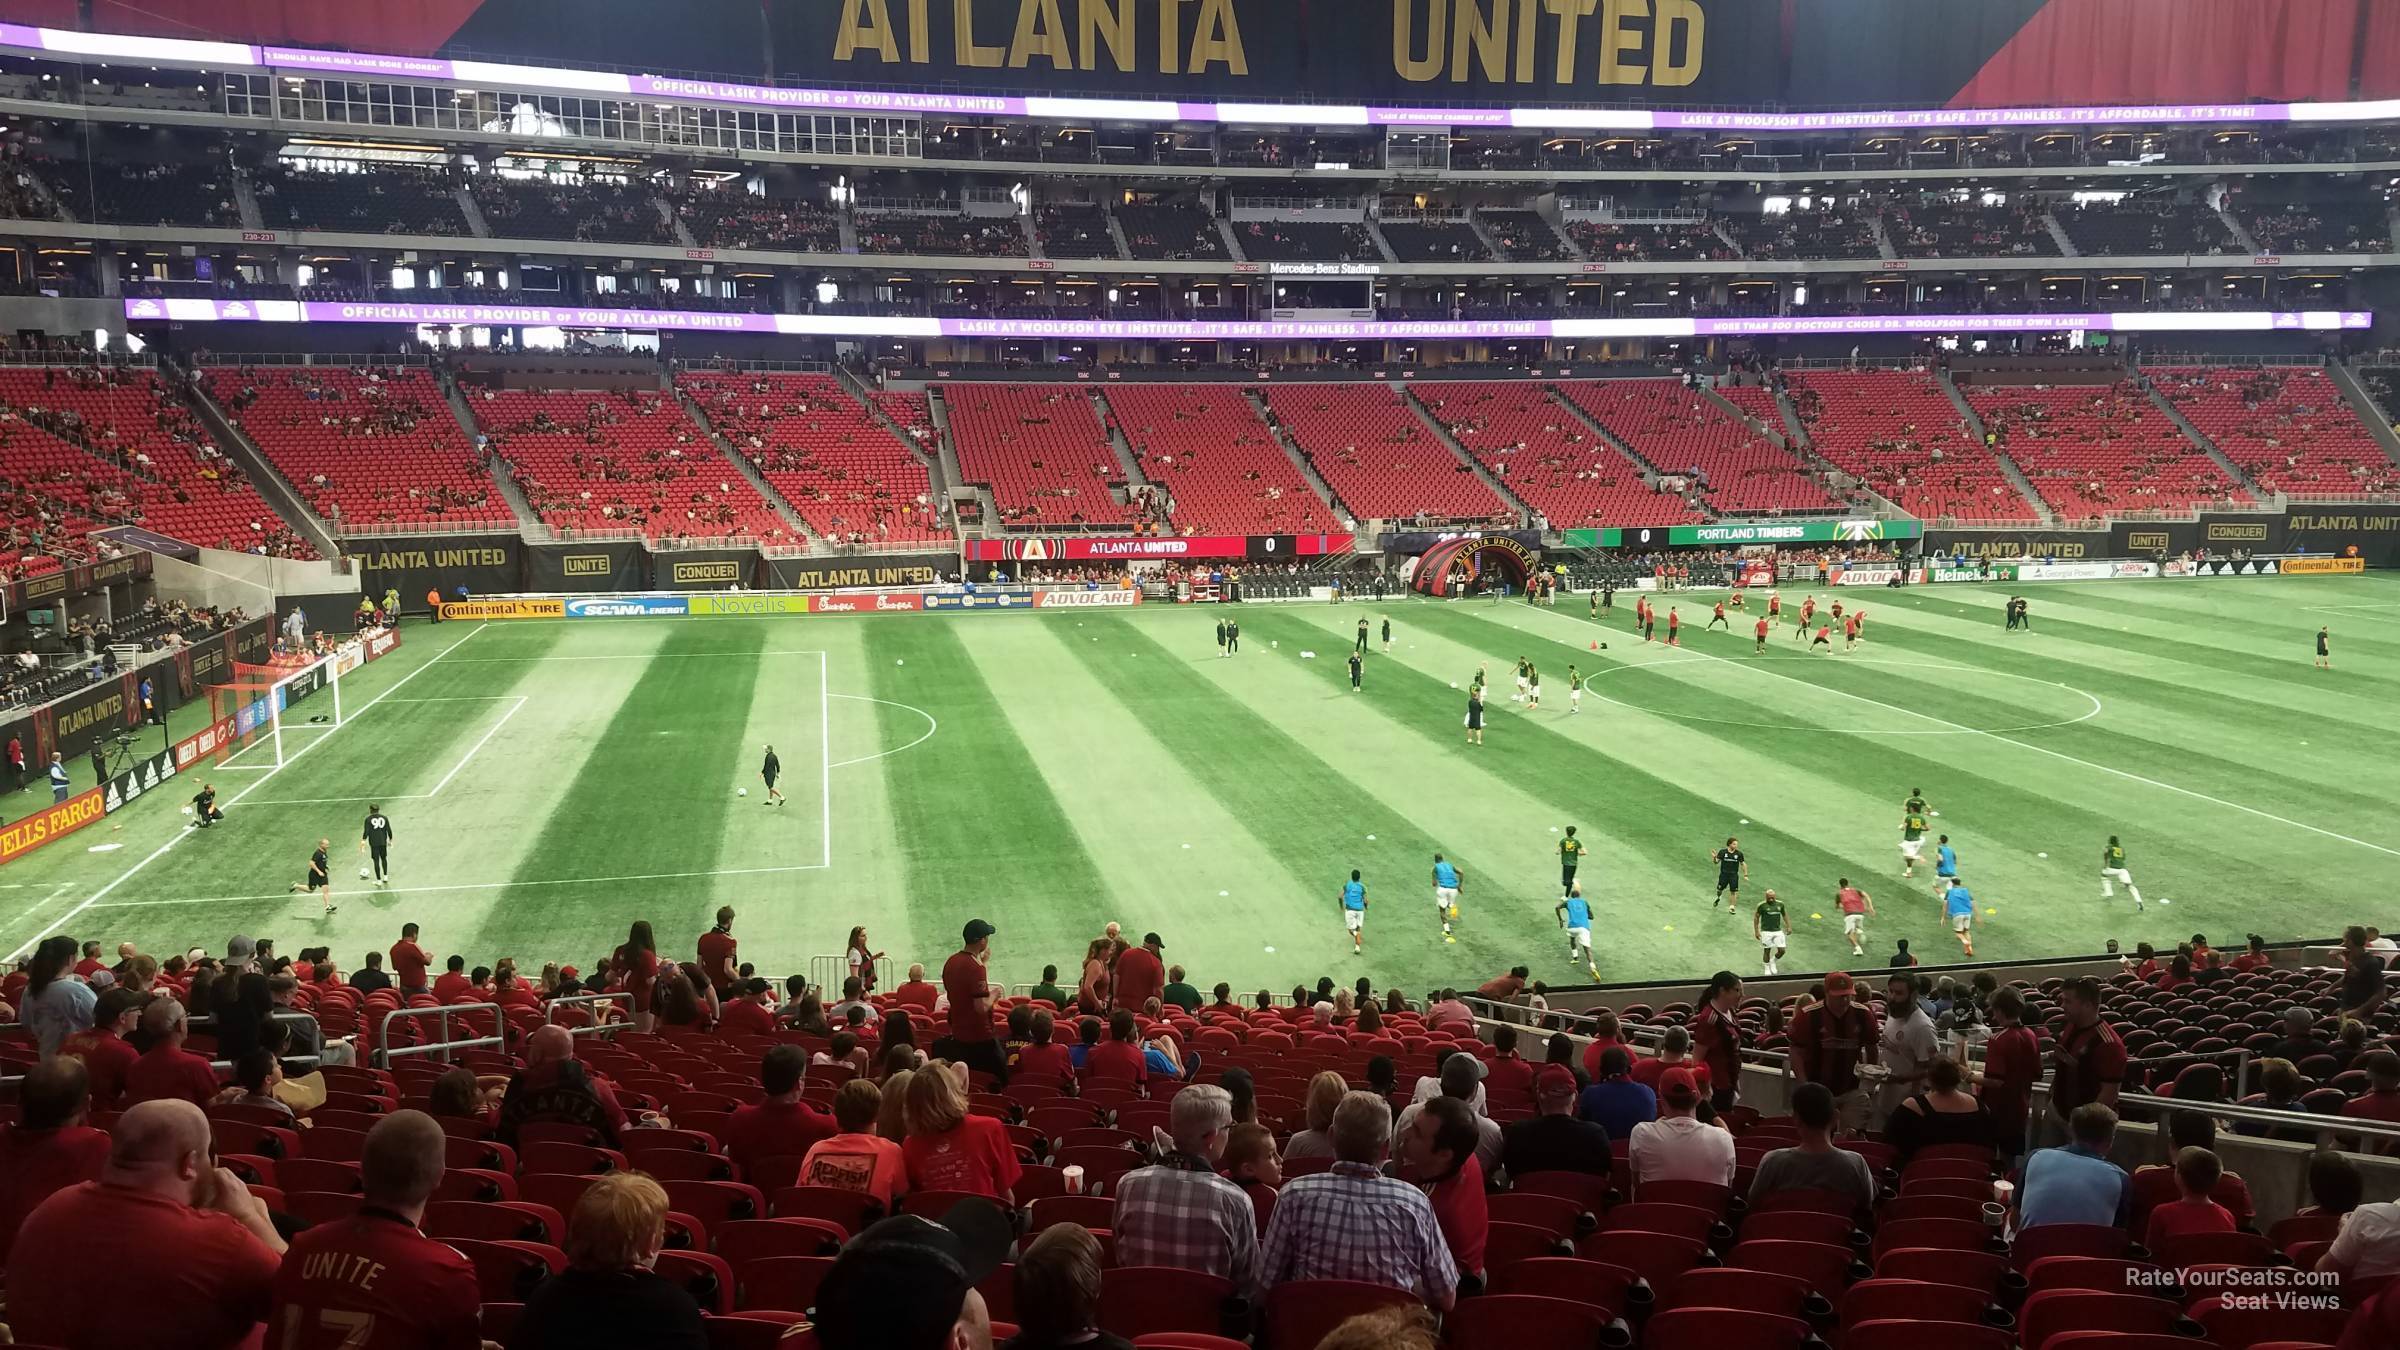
x=1915, y=805
x=1574, y=691
x=2112, y=871
x=1771, y=928
x=1570, y=856
x=1524, y=677
x=1733, y=867
x=1912, y=841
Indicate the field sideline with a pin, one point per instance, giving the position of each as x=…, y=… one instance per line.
x=551, y=781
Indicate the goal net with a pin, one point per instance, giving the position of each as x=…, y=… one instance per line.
x=266, y=705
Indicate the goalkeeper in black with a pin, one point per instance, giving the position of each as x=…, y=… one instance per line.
x=375, y=840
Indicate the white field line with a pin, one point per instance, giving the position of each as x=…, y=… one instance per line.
x=517, y=706
x=825, y=752
x=469, y=886
x=178, y=837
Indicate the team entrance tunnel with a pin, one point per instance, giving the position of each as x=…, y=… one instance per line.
x=1468, y=566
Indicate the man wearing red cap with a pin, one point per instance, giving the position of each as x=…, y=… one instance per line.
x=1827, y=1043
x=1678, y=1146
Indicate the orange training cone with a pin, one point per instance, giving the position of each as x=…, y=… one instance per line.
x=1595, y=644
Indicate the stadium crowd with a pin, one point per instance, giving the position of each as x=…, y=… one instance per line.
x=680, y=1152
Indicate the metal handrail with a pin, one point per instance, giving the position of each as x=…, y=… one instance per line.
x=385, y=1054
x=600, y=1026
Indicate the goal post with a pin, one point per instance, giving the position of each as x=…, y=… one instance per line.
x=262, y=702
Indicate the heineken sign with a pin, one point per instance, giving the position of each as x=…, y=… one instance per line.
x=1748, y=532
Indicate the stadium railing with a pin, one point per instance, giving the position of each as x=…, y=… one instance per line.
x=828, y=972
x=442, y=1045
x=594, y=1002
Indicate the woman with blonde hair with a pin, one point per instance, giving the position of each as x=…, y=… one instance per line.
x=1325, y=1092
x=891, y=1115
x=948, y=1149
x=609, y=1295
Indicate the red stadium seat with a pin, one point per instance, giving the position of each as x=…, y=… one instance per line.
x=1300, y=1312
x=1140, y=1300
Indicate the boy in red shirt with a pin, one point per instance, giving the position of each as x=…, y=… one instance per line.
x=1119, y=1058
x=2196, y=1173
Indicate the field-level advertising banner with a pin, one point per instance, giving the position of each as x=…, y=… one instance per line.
x=628, y=606
x=2319, y=567
x=2370, y=533
x=70, y=729
x=703, y=569
x=150, y=772
x=413, y=565
x=748, y=606
x=20, y=837
x=1738, y=532
x=1256, y=547
x=571, y=566
x=2085, y=571
x=206, y=743
x=1999, y=571
x=1115, y=597
x=857, y=570
x=536, y=607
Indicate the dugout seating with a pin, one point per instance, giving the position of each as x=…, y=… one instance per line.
x=1217, y=459
x=1378, y=457
x=2287, y=427
x=124, y=448
x=1551, y=460
x=378, y=446
x=847, y=476
x=1898, y=432
x=2093, y=450
x=622, y=460
x=1680, y=430
x=1040, y=449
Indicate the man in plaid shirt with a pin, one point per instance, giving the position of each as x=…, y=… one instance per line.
x=1181, y=1213
x=1354, y=1223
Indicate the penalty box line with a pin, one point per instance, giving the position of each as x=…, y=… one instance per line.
x=520, y=700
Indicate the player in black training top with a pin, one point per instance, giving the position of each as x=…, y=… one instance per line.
x=1387, y=635
x=204, y=807
x=1362, y=633
x=1732, y=869
x=771, y=769
x=1357, y=663
x=319, y=879
x=375, y=838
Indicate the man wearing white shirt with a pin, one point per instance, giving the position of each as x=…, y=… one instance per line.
x=1907, y=1046
x=1678, y=1146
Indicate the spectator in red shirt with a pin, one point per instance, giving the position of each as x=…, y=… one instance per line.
x=751, y=1011
x=1448, y=1014
x=1437, y=1152
x=2012, y=1064
x=782, y=1125
x=1141, y=974
x=1829, y=1041
x=2088, y=1060
x=453, y=984
x=716, y=953
x=511, y=992
x=2188, y=1131
x=49, y=1148
x=374, y=1272
x=1505, y=988
x=1717, y=1037
x=1119, y=1058
x=966, y=977
x=410, y=962
x=1674, y=1052
x=554, y=1087
x=167, y=1071
x=2256, y=958
x=918, y=992
x=1604, y=1037
x=950, y=1150
x=102, y=1047
x=857, y=1158
x=2381, y=1100
x=207, y=1284
x=91, y=963
x=1043, y=1057
x=2196, y=1173
x=1509, y=1073
x=635, y=964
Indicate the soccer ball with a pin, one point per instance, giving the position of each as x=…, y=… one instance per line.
x=362, y=874
x=741, y=792
x=1273, y=645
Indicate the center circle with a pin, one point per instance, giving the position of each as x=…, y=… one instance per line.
x=1592, y=683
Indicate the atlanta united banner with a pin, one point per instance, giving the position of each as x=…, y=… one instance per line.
x=1256, y=547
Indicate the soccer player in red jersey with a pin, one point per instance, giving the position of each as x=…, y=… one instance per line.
x=1775, y=605
x=1824, y=638
x=1850, y=630
x=1674, y=627
x=1762, y=633
x=1719, y=617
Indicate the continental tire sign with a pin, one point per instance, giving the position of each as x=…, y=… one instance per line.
x=2318, y=567
x=504, y=609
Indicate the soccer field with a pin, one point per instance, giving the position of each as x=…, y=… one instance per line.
x=1051, y=772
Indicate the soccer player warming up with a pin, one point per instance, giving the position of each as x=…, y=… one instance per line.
x=375, y=840
x=204, y=807
x=1808, y=613
x=1570, y=857
x=1719, y=618
x=771, y=769
x=1674, y=627
x=1855, y=905
x=2112, y=871
x=1824, y=638
x=1354, y=912
x=1732, y=869
x=1446, y=885
x=1574, y=691
x=1912, y=841
x=1575, y=915
x=1762, y=634
x=1959, y=904
x=2324, y=649
x=1358, y=667
x=319, y=880
x=1945, y=866
x=1770, y=927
